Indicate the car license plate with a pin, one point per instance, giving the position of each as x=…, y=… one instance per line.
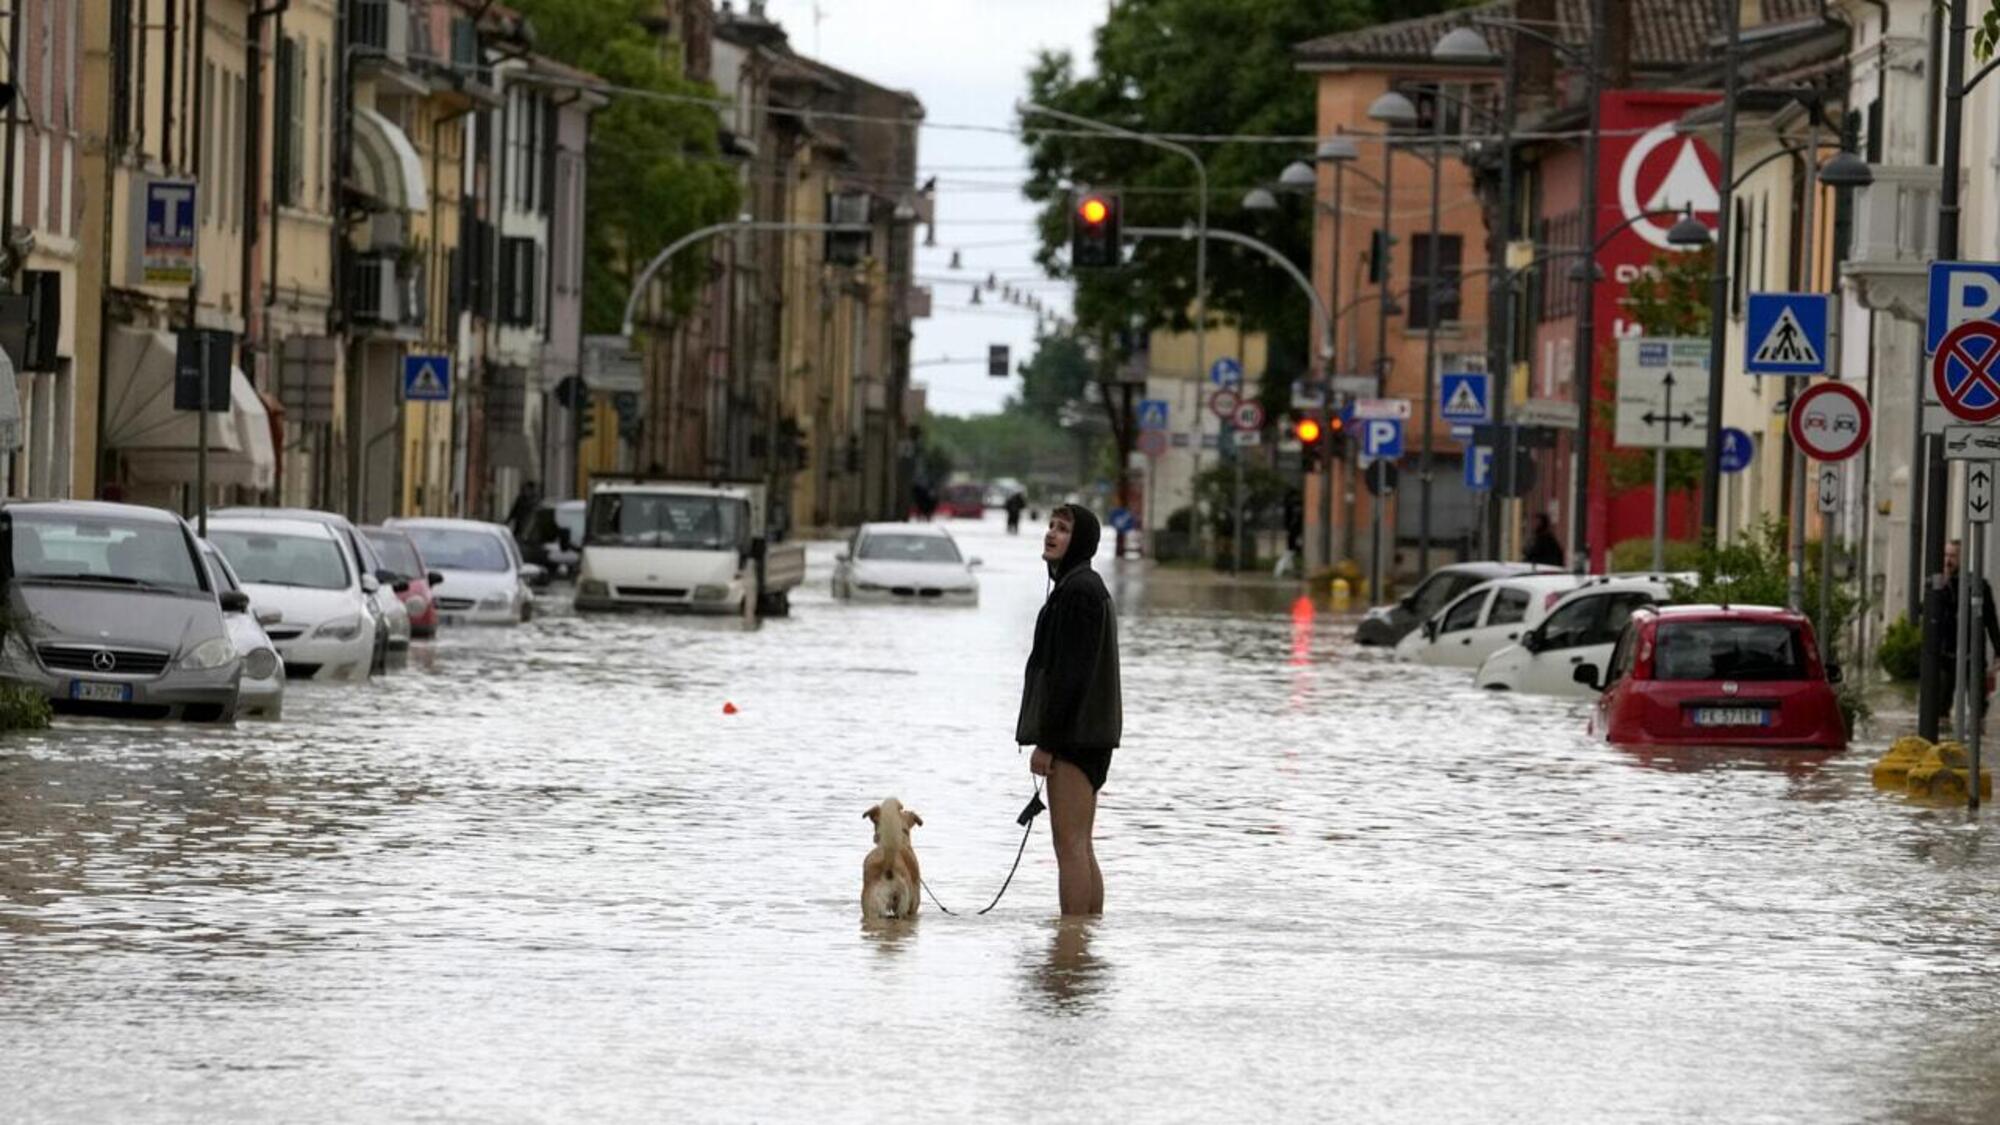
x=100, y=693
x=1731, y=717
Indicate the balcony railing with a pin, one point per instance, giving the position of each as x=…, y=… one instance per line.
x=380, y=291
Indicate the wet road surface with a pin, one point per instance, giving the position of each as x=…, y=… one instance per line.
x=544, y=876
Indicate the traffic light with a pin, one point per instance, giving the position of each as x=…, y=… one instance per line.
x=1335, y=437
x=586, y=420
x=1093, y=231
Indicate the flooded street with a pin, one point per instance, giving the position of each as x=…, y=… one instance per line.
x=545, y=876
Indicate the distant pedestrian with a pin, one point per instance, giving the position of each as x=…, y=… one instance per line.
x=1941, y=605
x=521, y=517
x=926, y=499
x=1072, y=709
x=1015, y=503
x=1543, y=547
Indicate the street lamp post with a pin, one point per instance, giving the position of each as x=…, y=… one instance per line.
x=1718, y=301
x=1393, y=111
x=1200, y=260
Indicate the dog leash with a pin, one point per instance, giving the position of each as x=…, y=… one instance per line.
x=1027, y=822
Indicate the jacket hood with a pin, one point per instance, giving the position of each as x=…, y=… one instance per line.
x=1085, y=533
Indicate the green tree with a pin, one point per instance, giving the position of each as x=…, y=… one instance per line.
x=1054, y=376
x=654, y=170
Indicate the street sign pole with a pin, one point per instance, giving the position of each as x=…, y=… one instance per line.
x=201, y=416
x=1375, y=542
x=1830, y=478
x=1795, y=578
x=1966, y=578
x=1974, y=582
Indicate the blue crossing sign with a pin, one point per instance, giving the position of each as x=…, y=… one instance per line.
x=1737, y=450
x=1152, y=414
x=1786, y=333
x=1382, y=438
x=1465, y=397
x=426, y=378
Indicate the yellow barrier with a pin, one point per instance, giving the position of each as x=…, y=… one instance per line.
x=1936, y=772
x=1343, y=595
x=1904, y=755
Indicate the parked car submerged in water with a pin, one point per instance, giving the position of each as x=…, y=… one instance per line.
x=300, y=568
x=1717, y=675
x=261, y=694
x=1484, y=619
x=1387, y=624
x=391, y=619
x=479, y=568
x=113, y=613
x=413, y=578
x=1581, y=629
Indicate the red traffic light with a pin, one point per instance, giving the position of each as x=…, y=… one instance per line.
x=1093, y=209
x=1307, y=431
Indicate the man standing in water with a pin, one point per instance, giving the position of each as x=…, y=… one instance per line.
x=1071, y=706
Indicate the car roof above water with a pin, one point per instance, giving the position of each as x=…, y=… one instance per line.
x=138, y=513
x=933, y=530
x=274, y=525
x=442, y=523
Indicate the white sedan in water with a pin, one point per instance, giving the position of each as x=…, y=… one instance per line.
x=485, y=581
x=914, y=563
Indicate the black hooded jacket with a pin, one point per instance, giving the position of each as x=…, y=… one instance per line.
x=1072, y=698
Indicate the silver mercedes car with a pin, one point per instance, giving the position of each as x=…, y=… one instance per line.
x=110, y=612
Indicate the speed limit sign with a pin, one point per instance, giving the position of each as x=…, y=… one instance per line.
x=1249, y=416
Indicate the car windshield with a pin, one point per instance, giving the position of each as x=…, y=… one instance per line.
x=910, y=548
x=1727, y=650
x=659, y=519
x=100, y=549
x=457, y=548
x=268, y=559
x=397, y=553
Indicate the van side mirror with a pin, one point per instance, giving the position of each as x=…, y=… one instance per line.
x=234, y=601
x=1586, y=674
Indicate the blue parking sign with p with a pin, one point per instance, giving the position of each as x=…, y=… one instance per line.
x=1960, y=292
x=1382, y=438
x=1479, y=468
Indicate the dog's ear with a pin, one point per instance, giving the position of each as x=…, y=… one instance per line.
x=874, y=814
x=911, y=820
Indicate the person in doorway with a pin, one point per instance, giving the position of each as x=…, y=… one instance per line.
x=521, y=517
x=1072, y=709
x=1014, y=504
x=1543, y=547
x=1941, y=605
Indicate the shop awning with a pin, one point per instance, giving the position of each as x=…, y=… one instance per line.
x=160, y=443
x=386, y=165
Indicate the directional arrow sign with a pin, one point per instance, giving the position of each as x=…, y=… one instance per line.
x=1829, y=489
x=1979, y=491
x=1662, y=393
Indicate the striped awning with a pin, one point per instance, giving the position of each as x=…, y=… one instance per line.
x=386, y=165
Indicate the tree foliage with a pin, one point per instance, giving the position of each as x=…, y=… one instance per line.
x=1054, y=376
x=654, y=174
x=1012, y=443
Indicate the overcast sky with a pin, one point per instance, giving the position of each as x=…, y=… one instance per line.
x=967, y=61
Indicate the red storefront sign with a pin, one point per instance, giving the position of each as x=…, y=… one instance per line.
x=1648, y=174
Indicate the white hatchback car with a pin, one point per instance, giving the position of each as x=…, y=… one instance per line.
x=300, y=568
x=1581, y=629
x=485, y=581
x=261, y=694
x=914, y=563
x=1485, y=619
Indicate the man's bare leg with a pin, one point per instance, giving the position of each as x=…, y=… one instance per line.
x=1072, y=818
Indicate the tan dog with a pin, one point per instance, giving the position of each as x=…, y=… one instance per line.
x=889, y=878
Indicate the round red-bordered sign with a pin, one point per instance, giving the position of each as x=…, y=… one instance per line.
x=1830, y=421
x=1223, y=403
x=1975, y=395
x=1153, y=443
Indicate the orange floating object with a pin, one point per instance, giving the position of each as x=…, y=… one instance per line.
x=729, y=708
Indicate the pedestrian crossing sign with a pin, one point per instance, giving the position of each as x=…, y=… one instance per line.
x=426, y=378
x=1786, y=333
x=1466, y=397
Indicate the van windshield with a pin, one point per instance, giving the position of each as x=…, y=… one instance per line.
x=663, y=519
x=95, y=548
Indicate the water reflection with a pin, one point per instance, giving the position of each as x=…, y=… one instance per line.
x=1068, y=975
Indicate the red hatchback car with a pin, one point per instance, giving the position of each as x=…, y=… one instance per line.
x=415, y=579
x=1717, y=675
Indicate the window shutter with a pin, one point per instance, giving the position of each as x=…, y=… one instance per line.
x=546, y=204
x=281, y=120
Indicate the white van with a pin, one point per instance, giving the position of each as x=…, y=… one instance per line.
x=683, y=546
